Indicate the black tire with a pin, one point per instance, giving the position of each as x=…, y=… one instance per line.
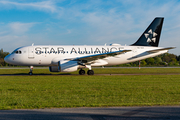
x=30, y=73
x=81, y=72
x=90, y=72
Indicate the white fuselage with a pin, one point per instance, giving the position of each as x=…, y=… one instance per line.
x=50, y=55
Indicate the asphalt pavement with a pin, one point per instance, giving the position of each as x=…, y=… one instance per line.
x=94, y=113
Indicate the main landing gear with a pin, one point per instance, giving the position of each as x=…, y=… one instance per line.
x=82, y=72
x=31, y=69
x=89, y=72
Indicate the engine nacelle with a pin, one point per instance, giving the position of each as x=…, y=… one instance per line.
x=54, y=69
x=65, y=66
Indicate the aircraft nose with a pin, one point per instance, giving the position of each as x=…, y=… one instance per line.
x=7, y=59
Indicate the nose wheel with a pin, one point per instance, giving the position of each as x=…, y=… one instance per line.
x=30, y=73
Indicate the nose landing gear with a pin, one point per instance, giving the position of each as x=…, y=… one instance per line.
x=31, y=69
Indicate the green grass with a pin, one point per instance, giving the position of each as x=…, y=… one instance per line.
x=22, y=92
x=99, y=71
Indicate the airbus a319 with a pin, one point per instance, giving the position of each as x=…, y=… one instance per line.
x=61, y=58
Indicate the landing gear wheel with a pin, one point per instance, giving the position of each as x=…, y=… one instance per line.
x=90, y=72
x=31, y=70
x=81, y=72
x=30, y=73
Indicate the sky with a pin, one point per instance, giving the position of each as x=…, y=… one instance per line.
x=85, y=22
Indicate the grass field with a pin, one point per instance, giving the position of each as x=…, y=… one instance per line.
x=20, y=92
x=97, y=71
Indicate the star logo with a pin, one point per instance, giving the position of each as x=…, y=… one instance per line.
x=151, y=36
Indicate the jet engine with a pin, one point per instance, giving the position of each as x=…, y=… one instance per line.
x=65, y=66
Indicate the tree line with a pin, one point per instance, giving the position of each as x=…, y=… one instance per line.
x=166, y=59
x=2, y=56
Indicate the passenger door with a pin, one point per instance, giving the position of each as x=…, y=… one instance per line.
x=31, y=52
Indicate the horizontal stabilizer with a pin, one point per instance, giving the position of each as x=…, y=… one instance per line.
x=157, y=50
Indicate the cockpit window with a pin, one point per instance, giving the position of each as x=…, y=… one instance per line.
x=13, y=52
x=16, y=52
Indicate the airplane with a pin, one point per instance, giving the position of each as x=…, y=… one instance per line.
x=61, y=58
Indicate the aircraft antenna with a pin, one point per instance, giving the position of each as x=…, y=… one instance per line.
x=33, y=44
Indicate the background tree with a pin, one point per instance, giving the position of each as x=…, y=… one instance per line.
x=150, y=61
x=167, y=57
x=158, y=60
x=2, y=56
x=143, y=63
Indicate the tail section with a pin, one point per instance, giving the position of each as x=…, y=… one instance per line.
x=151, y=35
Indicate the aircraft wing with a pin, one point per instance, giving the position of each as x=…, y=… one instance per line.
x=100, y=56
x=157, y=50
